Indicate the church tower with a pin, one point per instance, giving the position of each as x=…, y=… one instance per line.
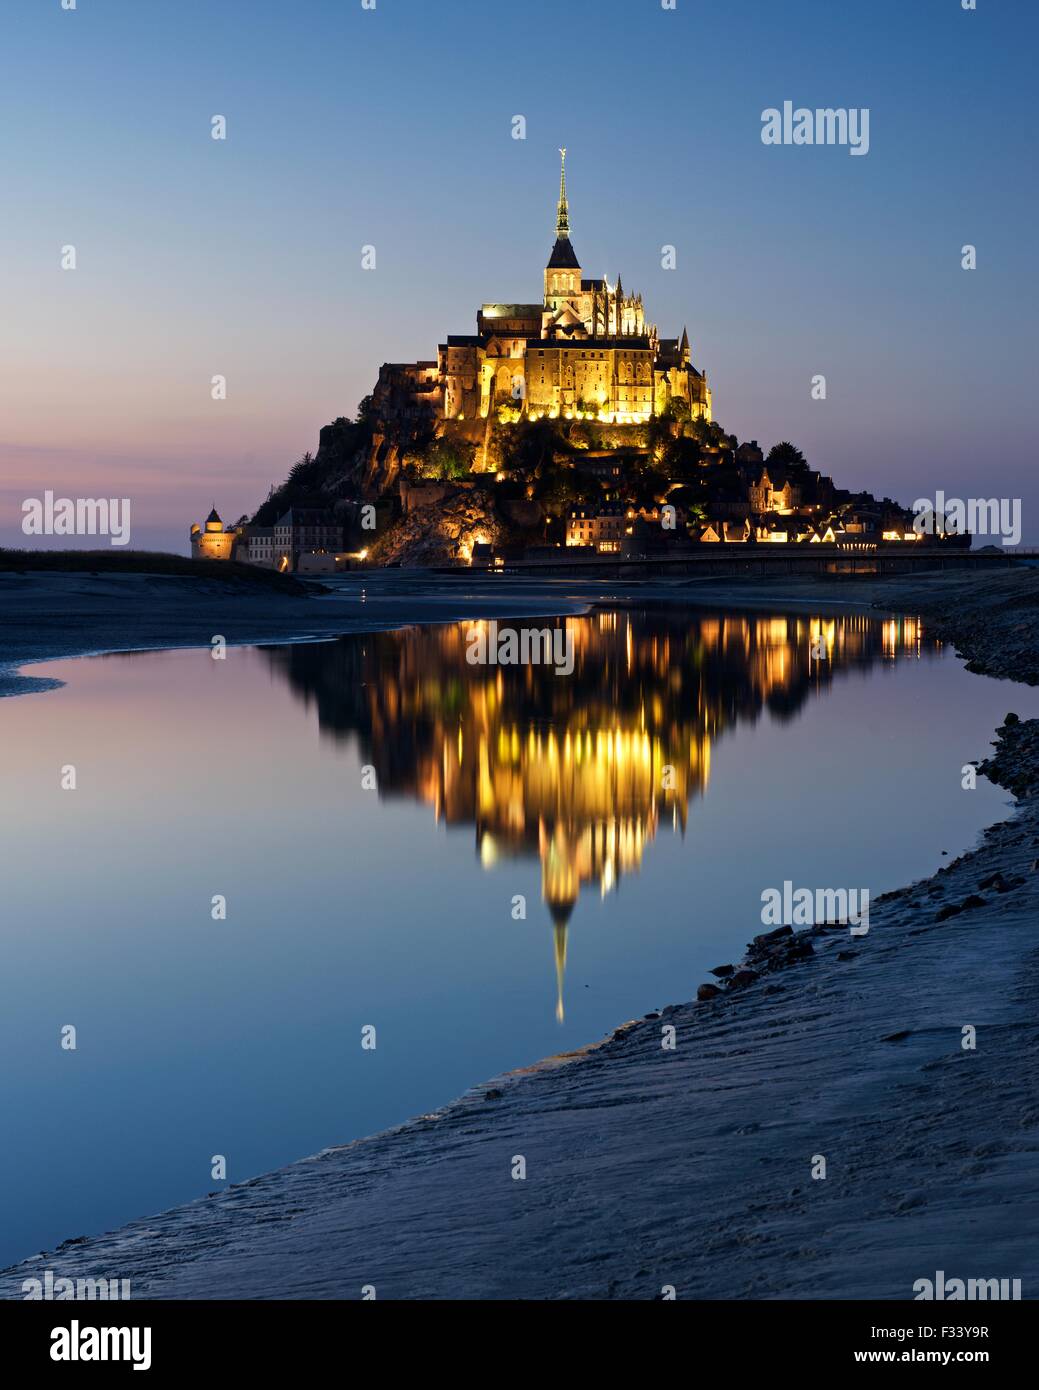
x=563, y=272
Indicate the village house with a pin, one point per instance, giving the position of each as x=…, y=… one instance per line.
x=749, y=454
x=729, y=530
x=607, y=527
x=259, y=546
x=305, y=531
x=783, y=529
x=603, y=526
x=647, y=537
x=774, y=490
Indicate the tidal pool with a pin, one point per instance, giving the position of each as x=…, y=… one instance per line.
x=372, y=810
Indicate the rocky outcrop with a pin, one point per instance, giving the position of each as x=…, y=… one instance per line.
x=381, y=467
x=1015, y=763
x=991, y=618
x=356, y=461
x=414, y=497
x=443, y=535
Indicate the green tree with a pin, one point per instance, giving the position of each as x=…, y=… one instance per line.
x=681, y=457
x=558, y=486
x=531, y=447
x=447, y=459
x=786, y=455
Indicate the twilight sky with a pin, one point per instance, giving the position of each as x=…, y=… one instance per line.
x=393, y=127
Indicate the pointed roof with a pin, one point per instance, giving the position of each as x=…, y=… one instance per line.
x=685, y=339
x=214, y=515
x=563, y=256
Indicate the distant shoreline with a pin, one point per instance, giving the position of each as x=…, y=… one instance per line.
x=52, y=615
x=716, y=1198
x=55, y=616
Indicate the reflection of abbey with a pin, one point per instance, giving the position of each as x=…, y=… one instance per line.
x=581, y=781
x=585, y=350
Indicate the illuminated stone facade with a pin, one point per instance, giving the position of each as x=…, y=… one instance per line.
x=586, y=350
x=213, y=541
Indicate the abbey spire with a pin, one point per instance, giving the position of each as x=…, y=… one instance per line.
x=563, y=272
x=563, y=257
x=563, y=212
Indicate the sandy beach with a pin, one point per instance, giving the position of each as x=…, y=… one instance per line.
x=649, y=1167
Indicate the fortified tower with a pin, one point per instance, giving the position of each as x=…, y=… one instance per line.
x=215, y=542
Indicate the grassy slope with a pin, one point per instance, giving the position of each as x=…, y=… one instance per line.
x=144, y=562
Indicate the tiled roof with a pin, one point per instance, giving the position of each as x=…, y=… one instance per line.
x=563, y=256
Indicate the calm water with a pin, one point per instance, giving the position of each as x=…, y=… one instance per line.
x=348, y=907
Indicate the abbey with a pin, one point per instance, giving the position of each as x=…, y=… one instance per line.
x=586, y=349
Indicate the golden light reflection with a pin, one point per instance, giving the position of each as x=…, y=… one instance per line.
x=576, y=771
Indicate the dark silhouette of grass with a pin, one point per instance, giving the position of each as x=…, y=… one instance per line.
x=147, y=562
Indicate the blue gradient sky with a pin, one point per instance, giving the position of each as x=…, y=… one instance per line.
x=393, y=127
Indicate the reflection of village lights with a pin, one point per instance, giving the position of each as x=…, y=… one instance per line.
x=585, y=790
x=821, y=632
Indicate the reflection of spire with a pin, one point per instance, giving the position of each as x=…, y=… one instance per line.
x=559, y=931
x=582, y=784
x=560, y=917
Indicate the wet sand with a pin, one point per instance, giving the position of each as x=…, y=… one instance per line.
x=691, y=1167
